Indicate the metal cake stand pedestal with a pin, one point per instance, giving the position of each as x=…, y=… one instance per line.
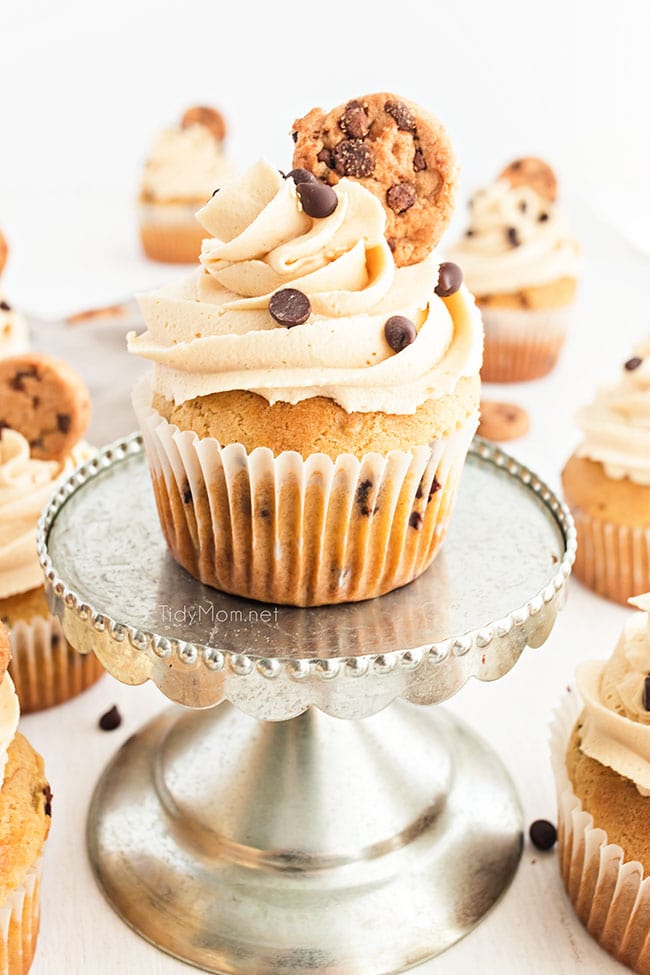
x=266, y=835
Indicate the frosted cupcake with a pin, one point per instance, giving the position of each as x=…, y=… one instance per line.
x=311, y=404
x=14, y=334
x=186, y=165
x=607, y=485
x=522, y=264
x=603, y=779
x=25, y=811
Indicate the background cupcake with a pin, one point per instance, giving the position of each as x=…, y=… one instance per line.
x=607, y=485
x=25, y=811
x=602, y=766
x=522, y=265
x=186, y=165
x=14, y=333
x=311, y=403
x=45, y=410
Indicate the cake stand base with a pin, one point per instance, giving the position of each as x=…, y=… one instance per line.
x=309, y=845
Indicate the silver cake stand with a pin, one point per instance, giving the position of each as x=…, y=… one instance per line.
x=266, y=835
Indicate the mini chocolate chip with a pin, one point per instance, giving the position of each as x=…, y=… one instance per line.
x=47, y=792
x=523, y=206
x=513, y=236
x=37, y=444
x=401, y=197
x=435, y=487
x=402, y=115
x=450, y=278
x=214, y=192
x=36, y=402
x=326, y=156
x=400, y=332
x=516, y=164
x=63, y=422
x=111, y=720
x=56, y=639
x=352, y=157
x=543, y=216
x=633, y=363
x=419, y=162
x=415, y=520
x=264, y=512
x=543, y=834
x=354, y=121
x=290, y=307
x=5, y=306
x=3, y=425
x=187, y=495
x=301, y=176
x=469, y=232
x=646, y=694
x=362, y=497
x=21, y=374
x=318, y=199
x=294, y=136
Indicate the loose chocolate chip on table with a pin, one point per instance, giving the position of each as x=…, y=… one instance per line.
x=543, y=834
x=402, y=115
x=326, y=156
x=450, y=278
x=352, y=157
x=63, y=422
x=633, y=363
x=301, y=176
x=5, y=306
x=290, y=307
x=354, y=121
x=401, y=197
x=513, y=236
x=47, y=792
x=646, y=694
x=111, y=720
x=400, y=332
x=415, y=520
x=419, y=162
x=318, y=199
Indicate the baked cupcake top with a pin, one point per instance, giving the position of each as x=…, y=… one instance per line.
x=616, y=425
x=616, y=695
x=186, y=162
x=298, y=296
x=516, y=237
x=9, y=707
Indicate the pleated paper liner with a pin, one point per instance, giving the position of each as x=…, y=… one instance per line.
x=170, y=233
x=19, y=924
x=612, y=560
x=521, y=345
x=610, y=894
x=300, y=532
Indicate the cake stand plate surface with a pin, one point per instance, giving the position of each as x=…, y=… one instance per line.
x=266, y=835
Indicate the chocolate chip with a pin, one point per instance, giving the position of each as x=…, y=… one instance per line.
x=354, y=121
x=111, y=720
x=392, y=244
x=264, y=512
x=516, y=164
x=294, y=136
x=400, y=332
x=419, y=162
x=5, y=306
x=523, y=206
x=289, y=307
x=47, y=792
x=401, y=197
x=17, y=381
x=214, y=192
x=633, y=363
x=36, y=402
x=435, y=487
x=402, y=115
x=326, y=156
x=37, y=444
x=543, y=216
x=318, y=199
x=352, y=157
x=415, y=520
x=55, y=641
x=513, y=236
x=362, y=497
x=646, y=694
x=187, y=495
x=469, y=232
x=543, y=834
x=63, y=422
x=301, y=176
x=450, y=278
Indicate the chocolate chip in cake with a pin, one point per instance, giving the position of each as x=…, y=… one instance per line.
x=63, y=422
x=400, y=332
x=290, y=307
x=450, y=278
x=402, y=115
x=318, y=199
x=111, y=720
x=435, y=487
x=301, y=176
x=49, y=795
x=401, y=197
x=633, y=363
x=419, y=162
x=326, y=156
x=354, y=121
x=543, y=834
x=646, y=694
x=5, y=306
x=362, y=497
x=415, y=520
x=513, y=236
x=187, y=494
x=352, y=157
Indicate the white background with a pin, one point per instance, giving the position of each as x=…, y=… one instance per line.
x=84, y=87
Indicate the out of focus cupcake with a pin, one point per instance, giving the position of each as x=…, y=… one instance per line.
x=602, y=767
x=45, y=409
x=186, y=165
x=25, y=812
x=607, y=484
x=14, y=335
x=522, y=265
x=311, y=403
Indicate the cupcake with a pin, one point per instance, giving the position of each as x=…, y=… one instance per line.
x=312, y=402
x=186, y=165
x=606, y=484
x=603, y=779
x=44, y=408
x=522, y=265
x=13, y=326
x=25, y=811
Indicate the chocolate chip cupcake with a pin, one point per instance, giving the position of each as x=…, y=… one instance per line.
x=522, y=265
x=601, y=757
x=311, y=404
x=186, y=165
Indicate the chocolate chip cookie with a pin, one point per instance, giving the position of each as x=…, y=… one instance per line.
x=398, y=151
x=46, y=401
x=208, y=117
x=502, y=421
x=534, y=173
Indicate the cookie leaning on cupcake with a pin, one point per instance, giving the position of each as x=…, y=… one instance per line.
x=14, y=336
x=44, y=412
x=312, y=399
x=522, y=265
x=186, y=165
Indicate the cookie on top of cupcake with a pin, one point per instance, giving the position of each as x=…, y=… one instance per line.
x=185, y=166
x=522, y=264
x=14, y=333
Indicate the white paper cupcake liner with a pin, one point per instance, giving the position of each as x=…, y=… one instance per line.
x=613, y=560
x=520, y=344
x=609, y=893
x=301, y=532
x=19, y=924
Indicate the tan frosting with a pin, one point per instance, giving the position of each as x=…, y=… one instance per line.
x=213, y=331
x=491, y=264
x=26, y=485
x=184, y=164
x=9, y=715
x=616, y=729
x=13, y=332
x=617, y=424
